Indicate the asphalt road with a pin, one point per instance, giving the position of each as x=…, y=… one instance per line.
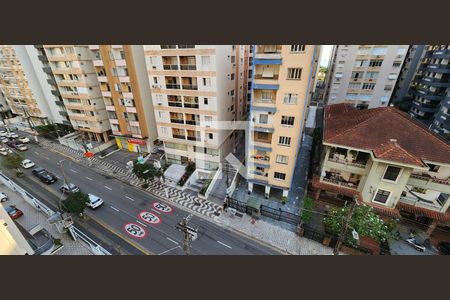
x=123, y=205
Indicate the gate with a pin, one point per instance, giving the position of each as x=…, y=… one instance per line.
x=280, y=215
x=238, y=205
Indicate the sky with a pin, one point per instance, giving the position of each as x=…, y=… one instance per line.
x=325, y=55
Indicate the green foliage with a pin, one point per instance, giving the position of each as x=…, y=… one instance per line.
x=284, y=199
x=364, y=220
x=308, y=206
x=13, y=161
x=75, y=203
x=323, y=69
x=205, y=187
x=146, y=171
x=190, y=168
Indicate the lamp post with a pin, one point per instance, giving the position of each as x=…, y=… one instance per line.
x=65, y=181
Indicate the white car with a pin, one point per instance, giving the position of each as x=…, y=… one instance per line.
x=4, y=139
x=12, y=135
x=3, y=133
x=26, y=164
x=24, y=140
x=3, y=151
x=3, y=197
x=21, y=147
x=94, y=201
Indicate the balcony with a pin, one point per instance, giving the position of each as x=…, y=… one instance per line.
x=98, y=63
x=268, y=52
x=178, y=136
x=193, y=138
x=106, y=94
x=170, y=67
x=340, y=183
x=361, y=165
x=192, y=122
x=261, y=157
x=188, y=63
x=177, y=121
x=94, y=47
x=170, y=62
x=172, y=86
x=102, y=79
x=121, y=63
x=421, y=203
x=175, y=103
x=110, y=108
x=425, y=180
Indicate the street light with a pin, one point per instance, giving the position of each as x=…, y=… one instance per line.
x=65, y=182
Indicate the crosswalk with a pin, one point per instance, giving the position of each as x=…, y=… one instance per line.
x=191, y=202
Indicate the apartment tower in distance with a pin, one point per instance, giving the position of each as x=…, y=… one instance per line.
x=123, y=78
x=365, y=75
x=77, y=82
x=282, y=85
x=193, y=90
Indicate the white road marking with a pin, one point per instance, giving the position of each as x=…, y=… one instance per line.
x=89, y=178
x=129, y=198
x=169, y=250
x=155, y=211
x=59, y=177
x=36, y=153
x=107, y=187
x=73, y=170
x=141, y=223
x=224, y=244
x=114, y=208
x=46, y=158
x=172, y=240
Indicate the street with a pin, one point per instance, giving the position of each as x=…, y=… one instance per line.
x=135, y=216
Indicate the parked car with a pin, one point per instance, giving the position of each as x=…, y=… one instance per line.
x=69, y=188
x=94, y=201
x=12, y=135
x=26, y=164
x=4, y=139
x=444, y=248
x=14, y=212
x=23, y=140
x=4, y=151
x=11, y=144
x=3, y=133
x=3, y=197
x=44, y=175
x=20, y=147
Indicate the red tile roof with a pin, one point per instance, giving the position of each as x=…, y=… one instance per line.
x=390, y=134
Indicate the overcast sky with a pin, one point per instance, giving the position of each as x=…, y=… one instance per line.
x=325, y=55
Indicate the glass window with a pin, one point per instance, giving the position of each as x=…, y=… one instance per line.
x=297, y=48
x=381, y=196
x=263, y=119
x=282, y=159
x=285, y=120
x=280, y=176
x=391, y=173
x=206, y=60
x=294, y=73
x=379, y=51
x=284, y=140
x=290, y=98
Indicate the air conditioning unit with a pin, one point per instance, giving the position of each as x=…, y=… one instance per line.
x=156, y=86
x=154, y=67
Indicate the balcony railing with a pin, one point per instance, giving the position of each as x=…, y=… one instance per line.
x=170, y=67
x=172, y=86
x=193, y=138
x=421, y=203
x=190, y=87
x=445, y=181
x=178, y=136
x=191, y=105
x=345, y=162
x=262, y=100
x=175, y=104
x=192, y=122
x=261, y=157
x=259, y=173
x=340, y=183
x=188, y=67
x=178, y=121
x=260, y=76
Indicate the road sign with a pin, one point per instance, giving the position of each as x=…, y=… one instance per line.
x=162, y=207
x=150, y=218
x=135, y=230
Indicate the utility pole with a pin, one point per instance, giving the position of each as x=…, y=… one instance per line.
x=343, y=232
x=188, y=232
x=65, y=181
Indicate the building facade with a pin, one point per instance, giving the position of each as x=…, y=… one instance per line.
x=282, y=85
x=365, y=75
x=76, y=79
x=194, y=90
x=123, y=78
x=5, y=110
x=386, y=159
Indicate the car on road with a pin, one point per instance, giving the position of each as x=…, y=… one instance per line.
x=20, y=147
x=11, y=144
x=23, y=140
x=14, y=212
x=12, y=135
x=3, y=133
x=44, y=175
x=26, y=164
x=3, y=197
x=94, y=201
x=4, y=139
x=4, y=151
x=444, y=248
x=69, y=188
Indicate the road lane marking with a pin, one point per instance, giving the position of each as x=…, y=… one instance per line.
x=129, y=198
x=89, y=178
x=46, y=158
x=141, y=223
x=59, y=177
x=155, y=211
x=224, y=244
x=169, y=250
x=73, y=170
x=172, y=240
x=107, y=187
x=36, y=153
x=114, y=208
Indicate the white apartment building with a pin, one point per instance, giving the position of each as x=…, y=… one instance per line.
x=365, y=75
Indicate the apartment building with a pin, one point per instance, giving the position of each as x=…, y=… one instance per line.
x=282, y=85
x=76, y=79
x=431, y=89
x=194, y=90
x=5, y=110
x=386, y=159
x=365, y=75
x=21, y=88
x=12, y=241
x=122, y=74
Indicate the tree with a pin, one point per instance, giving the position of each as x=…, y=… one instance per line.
x=308, y=206
x=364, y=221
x=14, y=161
x=146, y=171
x=75, y=203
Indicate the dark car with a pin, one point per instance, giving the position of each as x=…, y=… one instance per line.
x=69, y=188
x=44, y=175
x=14, y=212
x=11, y=144
x=444, y=248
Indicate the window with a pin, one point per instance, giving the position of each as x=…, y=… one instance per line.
x=357, y=75
x=282, y=159
x=279, y=176
x=284, y=141
x=155, y=80
x=232, y=76
x=266, y=95
x=361, y=63
x=368, y=86
x=381, y=196
x=210, y=136
x=205, y=101
x=388, y=87
x=262, y=135
x=363, y=50
x=376, y=63
x=233, y=59
x=396, y=64
x=294, y=73
x=206, y=60
x=207, y=81
x=392, y=173
x=351, y=96
x=379, y=51
x=290, y=98
x=392, y=76
x=433, y=168
x=372, y=75
x=297, y=48
x=338, y=75
x=263, y=119
x=354, y=86
x=401, y=52
x=285, y=120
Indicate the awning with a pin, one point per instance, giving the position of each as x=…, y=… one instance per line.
x=254, y=202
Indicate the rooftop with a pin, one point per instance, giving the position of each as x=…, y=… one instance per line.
x=387, y=132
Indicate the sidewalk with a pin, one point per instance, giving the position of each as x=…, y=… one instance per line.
x=282, y=239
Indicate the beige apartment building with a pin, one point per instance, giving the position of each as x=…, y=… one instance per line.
x=282, y=85
x=122, y=74
x=364, y=75
x=76, y=78
x=194, y=89
x=386, y=159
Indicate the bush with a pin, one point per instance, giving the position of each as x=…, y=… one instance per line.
x=205, y=187
x=284, y=199
x=308, y=206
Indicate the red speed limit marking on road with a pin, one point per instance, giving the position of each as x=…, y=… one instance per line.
x=135, y=230
x=150, y=218
x=162, y=207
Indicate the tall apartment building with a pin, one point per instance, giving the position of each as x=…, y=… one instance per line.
x=402, y=94
x=123, y=77
x=365, y=75
x=431, y=90
x=76, y=78
x=193, y=90
x=5, y=110
x=21, y=86
x=282, y=85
